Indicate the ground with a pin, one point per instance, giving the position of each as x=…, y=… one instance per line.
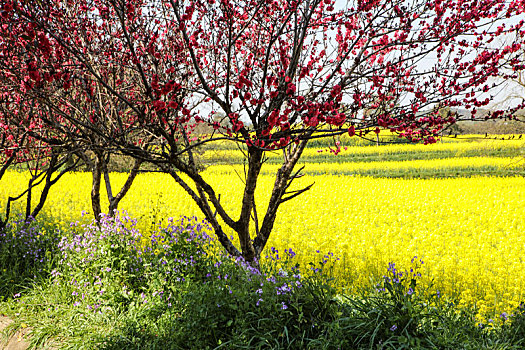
x=18, y=341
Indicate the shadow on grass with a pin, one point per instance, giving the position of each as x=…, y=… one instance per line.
x=27, y=256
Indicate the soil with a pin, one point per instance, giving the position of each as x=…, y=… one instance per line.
x=18, y=341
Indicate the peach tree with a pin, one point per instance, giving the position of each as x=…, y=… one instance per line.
x=137, y=77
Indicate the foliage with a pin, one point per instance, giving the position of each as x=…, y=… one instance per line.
x=404, y=313
x=400, y=313
x=108, y=263
x=514, y=325
x=179, y=291
x=273, y=307
x=25, y=253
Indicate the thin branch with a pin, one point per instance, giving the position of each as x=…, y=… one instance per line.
x=293, y=194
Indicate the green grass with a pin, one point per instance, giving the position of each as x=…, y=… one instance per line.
x=377, y=154
x=95, y=294
x=408, y=156
x=422, y=173
x=402, y=155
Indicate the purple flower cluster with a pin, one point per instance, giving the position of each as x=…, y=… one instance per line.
x=110, y=262
x=279, y=279
x=284, y=289
x=324, y=264
x=25, y=249
x=401, y=283
x=111, y=254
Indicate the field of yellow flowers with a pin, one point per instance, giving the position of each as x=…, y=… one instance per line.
x=464, y=222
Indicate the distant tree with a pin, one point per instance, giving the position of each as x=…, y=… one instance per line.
x=516, y=92
x=282, y=72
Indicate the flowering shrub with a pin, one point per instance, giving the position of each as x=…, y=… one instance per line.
x=402, y=313
x=244, y=305
x=109, y=263
x=177, y=271
x=25, y=252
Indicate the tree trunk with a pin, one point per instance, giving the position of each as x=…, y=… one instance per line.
x=283, y=180
x=114, y=201
x=54, y=165
x=95, y=188
x=243, y=224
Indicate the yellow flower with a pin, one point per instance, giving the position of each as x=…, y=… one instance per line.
x=467, y=230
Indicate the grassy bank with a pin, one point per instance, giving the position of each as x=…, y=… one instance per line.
x=101, y=287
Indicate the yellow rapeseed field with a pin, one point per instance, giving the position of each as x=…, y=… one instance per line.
x=377, y=167
x=458, y=147
x=468, y=231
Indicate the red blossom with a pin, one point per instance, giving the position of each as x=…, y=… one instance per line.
x=272, y=74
